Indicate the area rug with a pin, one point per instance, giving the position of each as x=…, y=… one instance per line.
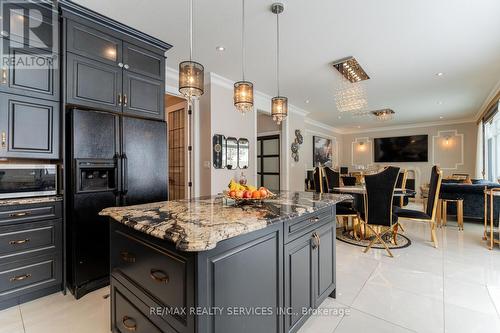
x=346, y=236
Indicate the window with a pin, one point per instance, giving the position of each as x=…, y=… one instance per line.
x=492, y=148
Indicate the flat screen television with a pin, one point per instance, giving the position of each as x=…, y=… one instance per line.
x=401, y=149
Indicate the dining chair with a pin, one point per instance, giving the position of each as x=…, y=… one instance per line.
x=349, y=180
x=332, y=178
x=318, y=180
x=401, y=183
x=378, y=205
x=429, y=215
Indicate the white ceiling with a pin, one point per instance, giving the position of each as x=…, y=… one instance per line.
x=400, y=44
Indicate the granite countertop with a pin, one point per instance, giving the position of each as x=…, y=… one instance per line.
x=31, y=200
x=198, y=225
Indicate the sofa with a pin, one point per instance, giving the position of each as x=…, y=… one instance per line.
x=473, y=196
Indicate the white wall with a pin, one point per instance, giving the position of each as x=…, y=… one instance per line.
x=458, y=157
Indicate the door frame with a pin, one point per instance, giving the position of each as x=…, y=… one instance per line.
x=260, y=175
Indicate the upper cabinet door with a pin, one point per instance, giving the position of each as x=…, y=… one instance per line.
x=29, y=127
x=31, y=72
x=93, y=44
x=94, y=84
x=141, y=61
x=143, y=96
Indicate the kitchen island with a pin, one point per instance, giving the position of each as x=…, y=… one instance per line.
x=210, y=265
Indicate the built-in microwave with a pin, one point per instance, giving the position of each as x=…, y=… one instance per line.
x=27, y=180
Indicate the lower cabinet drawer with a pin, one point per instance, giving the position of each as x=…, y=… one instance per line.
x=30, y=212
x=159, y=272
x=127, y=312
x=29, y=275
x=28, y=239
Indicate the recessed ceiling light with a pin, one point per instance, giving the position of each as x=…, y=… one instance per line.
x=359, y=126
x=441, y=117
x=440, y=102
x=339, y=117
x=440, y=74
x=307, y=101
x=220, y=48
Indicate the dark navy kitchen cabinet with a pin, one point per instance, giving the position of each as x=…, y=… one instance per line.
x=29, y=127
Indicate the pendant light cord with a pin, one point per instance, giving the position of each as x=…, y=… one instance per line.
x=278, y=51
x=190, y=30
x=243, y=39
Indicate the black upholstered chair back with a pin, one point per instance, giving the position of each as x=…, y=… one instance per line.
x=379, y=193
x=318, y=180
x=434, y=189
x=332, y=178
x=349, y=181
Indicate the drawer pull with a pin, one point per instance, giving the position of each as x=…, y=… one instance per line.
x=316, y=241
x=20, y=277
x=20, y=214
x=315, y=219
x=128, y=257
x=159, y=276
x=129, y=323
x=19, y=241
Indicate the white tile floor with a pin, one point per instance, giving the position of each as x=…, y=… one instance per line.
x=453, y=289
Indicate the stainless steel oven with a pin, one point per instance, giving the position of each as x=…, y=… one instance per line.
x=27, y=180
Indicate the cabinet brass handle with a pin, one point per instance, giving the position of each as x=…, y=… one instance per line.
x=314, y=241
x=4, y=139
x=125, y=100
x=120, y=64
x=129, y=323
x=20, y=214
x=128, y=257
x=4, y=75
x=318, y=239
x=19, y=241
x=120, y=99
x=315, y=219
x=126, y=66
x=20, y=277
x=159, y=276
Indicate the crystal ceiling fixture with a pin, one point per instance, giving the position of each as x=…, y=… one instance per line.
x=279, y=104
x=383, y=114
x=243, y=90
x=351, y=69
x=349, y=97
x=191, y=73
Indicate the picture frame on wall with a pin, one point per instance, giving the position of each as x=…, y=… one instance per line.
x=322, y=151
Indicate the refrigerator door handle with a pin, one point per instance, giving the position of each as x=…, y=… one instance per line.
x=118, y=183
x=124, y=174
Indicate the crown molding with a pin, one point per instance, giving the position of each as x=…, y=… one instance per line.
x=326, y=127
x=487, y=101
x=408, y=126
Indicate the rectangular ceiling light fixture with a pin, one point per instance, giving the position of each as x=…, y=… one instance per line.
x=351, y=69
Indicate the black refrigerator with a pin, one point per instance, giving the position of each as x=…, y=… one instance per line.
x=115, y=161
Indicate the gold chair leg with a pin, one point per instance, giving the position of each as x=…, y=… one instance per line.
x=445, y=212
x=401, y=226
x=438, y=212
x=433, y=235
x=460, y=214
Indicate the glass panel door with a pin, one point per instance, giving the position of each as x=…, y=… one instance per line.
x=268, y=162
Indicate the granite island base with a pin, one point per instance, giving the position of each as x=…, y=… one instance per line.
x=209, y=266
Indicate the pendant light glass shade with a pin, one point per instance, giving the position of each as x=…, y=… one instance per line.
x=191, y=73
x=191, y=79
x=279, y=108
x=243, y=90
x=279, y=104
x=243, y=96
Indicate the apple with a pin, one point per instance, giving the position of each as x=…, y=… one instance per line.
x=256, y=194
x=239, y=194
x=263, y=192
x=247, y=194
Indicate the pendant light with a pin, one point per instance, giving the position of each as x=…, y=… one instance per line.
x=279, y=104
x=191, y=73
x=243, y=90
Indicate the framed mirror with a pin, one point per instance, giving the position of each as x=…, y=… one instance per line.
x=231, y=153
x=243, y=153
x=219, y=151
